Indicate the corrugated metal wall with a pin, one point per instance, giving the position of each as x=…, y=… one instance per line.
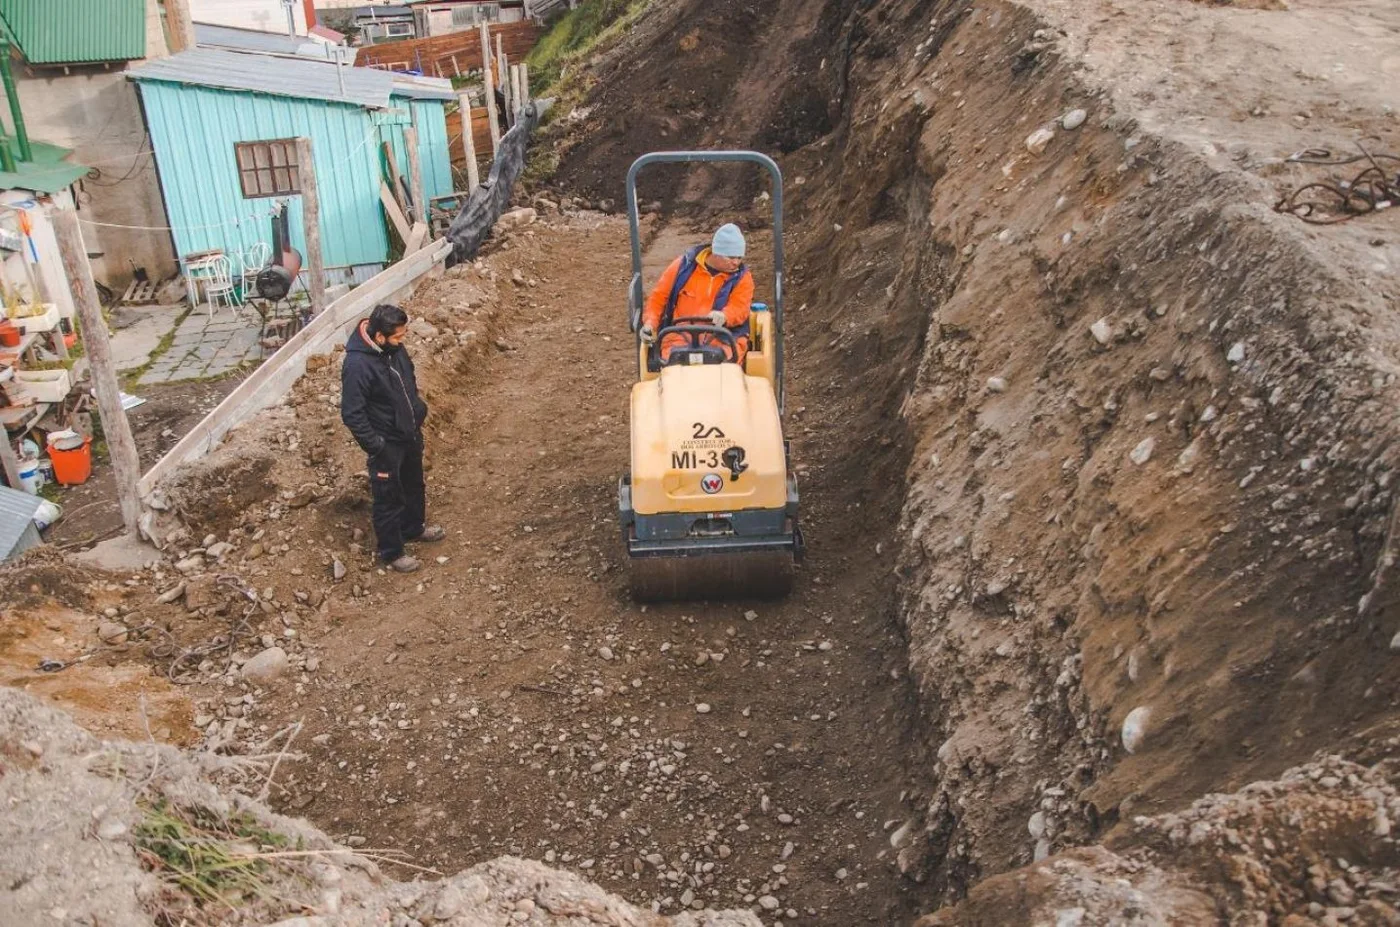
x=17, y=530
x=194, y=130
x=431, y=121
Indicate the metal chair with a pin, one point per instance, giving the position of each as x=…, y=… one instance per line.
x=219, y=284
x=254, y=260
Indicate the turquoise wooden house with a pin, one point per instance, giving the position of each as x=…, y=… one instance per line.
x=223, y=126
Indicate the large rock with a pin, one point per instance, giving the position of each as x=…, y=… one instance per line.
x=266, y=666
x=517, y=218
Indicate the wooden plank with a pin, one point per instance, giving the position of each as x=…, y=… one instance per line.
x=139, y=292
x=418, y=200
x=524, y=85
x=416, y=238
x=464, y=103
x=391, y=206
x=311, y=224
x=60, y=347
x=269, y=383
x=9, y=461
x=395, y=179
x=518, y=38
x=126, y=463
x=481, y=136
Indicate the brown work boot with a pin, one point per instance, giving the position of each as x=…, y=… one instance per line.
x=405, y=564
x=430, y=534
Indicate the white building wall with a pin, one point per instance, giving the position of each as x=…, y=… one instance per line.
x=351, y=4
x=261, y=15
x=95, y=111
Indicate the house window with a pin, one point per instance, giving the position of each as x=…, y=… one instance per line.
x=267, y=168
x=475, y=13
x=401, y=29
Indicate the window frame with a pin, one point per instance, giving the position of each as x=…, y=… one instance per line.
x=258, y=161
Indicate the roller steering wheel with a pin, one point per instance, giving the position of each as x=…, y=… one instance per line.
x=694, y=333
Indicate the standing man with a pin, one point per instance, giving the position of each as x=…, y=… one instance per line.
x=379, y=403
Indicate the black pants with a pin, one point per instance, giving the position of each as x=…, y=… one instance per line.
x=396, y=486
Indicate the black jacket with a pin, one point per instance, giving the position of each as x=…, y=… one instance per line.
x=379, y=395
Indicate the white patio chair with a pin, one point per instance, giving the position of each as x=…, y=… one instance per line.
x=254, y=260
x=217, y=274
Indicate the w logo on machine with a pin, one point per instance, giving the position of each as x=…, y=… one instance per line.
x=712, y=483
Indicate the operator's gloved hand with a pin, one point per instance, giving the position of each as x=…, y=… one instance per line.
x=648, y=334
x=717, y=319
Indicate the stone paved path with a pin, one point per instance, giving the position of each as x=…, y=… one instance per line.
x=208, y=347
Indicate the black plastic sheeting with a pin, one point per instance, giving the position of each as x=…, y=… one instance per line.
x=486, y=204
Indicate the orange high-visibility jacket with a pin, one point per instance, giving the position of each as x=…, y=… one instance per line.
x=697, y=300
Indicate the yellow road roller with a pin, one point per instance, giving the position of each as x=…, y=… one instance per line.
x=709, y=506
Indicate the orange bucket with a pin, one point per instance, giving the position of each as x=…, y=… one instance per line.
x=74, y=466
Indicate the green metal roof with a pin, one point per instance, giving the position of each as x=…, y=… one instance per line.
x=77, y=31
x=47, y=173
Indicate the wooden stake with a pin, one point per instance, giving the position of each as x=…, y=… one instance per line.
x=503, y=66
x=491, y=113
x=311, y=224
x=464, y=103
x=456, y=68
x=395, y=178
x=516, y=101
x=126, y=463
x=484, y=35
x=417, y=193
x=524, y=85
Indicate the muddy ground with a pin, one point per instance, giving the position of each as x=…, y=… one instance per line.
x=511, y=699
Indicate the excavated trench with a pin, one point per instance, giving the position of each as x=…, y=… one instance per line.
x=1133, y=421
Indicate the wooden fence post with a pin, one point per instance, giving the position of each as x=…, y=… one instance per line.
x=491, y=112
x=464, y=103
x=126, y=463
x=484, y=34
x=524, y=86
x=311, y=224
x=503, y=79
x=417, y=193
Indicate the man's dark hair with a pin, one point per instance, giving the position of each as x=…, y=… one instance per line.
x=385, y=319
